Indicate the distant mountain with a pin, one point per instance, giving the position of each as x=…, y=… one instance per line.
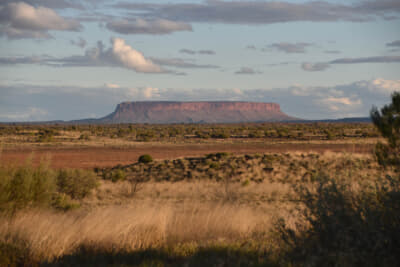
x=345, y=120
x=195, y=112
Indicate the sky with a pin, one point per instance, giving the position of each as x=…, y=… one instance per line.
x=70, y=59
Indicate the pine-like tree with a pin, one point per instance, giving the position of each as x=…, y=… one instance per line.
x=387, y=120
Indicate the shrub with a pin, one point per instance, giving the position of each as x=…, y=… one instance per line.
x=76, y=183
x=145, y=158
x=214, y=165
x=64, y=202
x=217, y=156
x=346, y=227
x=84, y=137
x=118, y=175
x=25, y=186
x=46, y=135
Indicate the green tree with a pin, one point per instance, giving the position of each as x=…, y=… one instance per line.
x=387, y=120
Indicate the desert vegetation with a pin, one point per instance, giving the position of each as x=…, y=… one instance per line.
x=65, y=133
x=219, y=209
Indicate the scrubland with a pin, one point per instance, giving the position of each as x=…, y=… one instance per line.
x=211, y=210
x=219, y=209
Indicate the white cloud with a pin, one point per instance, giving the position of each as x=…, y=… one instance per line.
x=150, y=92
x=131, y=58
x=336, y=103
x=21, y=20
x=384, y=86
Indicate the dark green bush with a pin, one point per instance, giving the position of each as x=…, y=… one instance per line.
x=387, y=121
x=214, y=165
x=145, y=158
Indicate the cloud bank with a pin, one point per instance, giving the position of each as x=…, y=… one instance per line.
x=260, y=12
x=308, y=102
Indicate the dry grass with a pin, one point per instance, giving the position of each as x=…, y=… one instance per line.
x=50, y=235
x=193, y=212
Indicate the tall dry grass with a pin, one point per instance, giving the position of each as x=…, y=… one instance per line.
x=49, y=235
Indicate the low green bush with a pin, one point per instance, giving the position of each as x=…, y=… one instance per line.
x=76, y=183
x=145, y=158
x=28, y=186
x=118, y=175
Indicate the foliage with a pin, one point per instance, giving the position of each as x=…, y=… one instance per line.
x=147, y=132
x=118, y=175
x=46, y=135
x=387, y=120
x=76, y=183
x=345, y=228
x=25, y=186
x=84, y=137
x=145, y=158
x=28, y=186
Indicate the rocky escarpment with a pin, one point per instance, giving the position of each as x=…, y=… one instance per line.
x=195, y=112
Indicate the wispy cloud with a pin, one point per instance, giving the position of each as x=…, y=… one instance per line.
x=143, y=26
x=248, y=71
x=291, y=48
x=193, y=52
x=376, y=59
x=182, y=63
x=260, y=12
x=394, y=43
x=332, y=52
x=80, y=42
x=321, y=66
x=56, y=4
x=314, y=66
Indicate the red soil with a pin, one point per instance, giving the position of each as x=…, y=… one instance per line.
x=90, y=157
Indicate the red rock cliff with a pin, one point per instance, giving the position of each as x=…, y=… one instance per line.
x=191, y=112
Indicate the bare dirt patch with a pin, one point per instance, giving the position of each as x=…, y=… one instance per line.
x=90, y=157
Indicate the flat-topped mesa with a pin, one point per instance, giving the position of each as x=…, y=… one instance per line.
x=195, y=112
x=197, y=106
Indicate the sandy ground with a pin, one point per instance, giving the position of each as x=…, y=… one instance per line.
x=90, y=157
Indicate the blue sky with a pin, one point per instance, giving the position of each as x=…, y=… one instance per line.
x=69, y=59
